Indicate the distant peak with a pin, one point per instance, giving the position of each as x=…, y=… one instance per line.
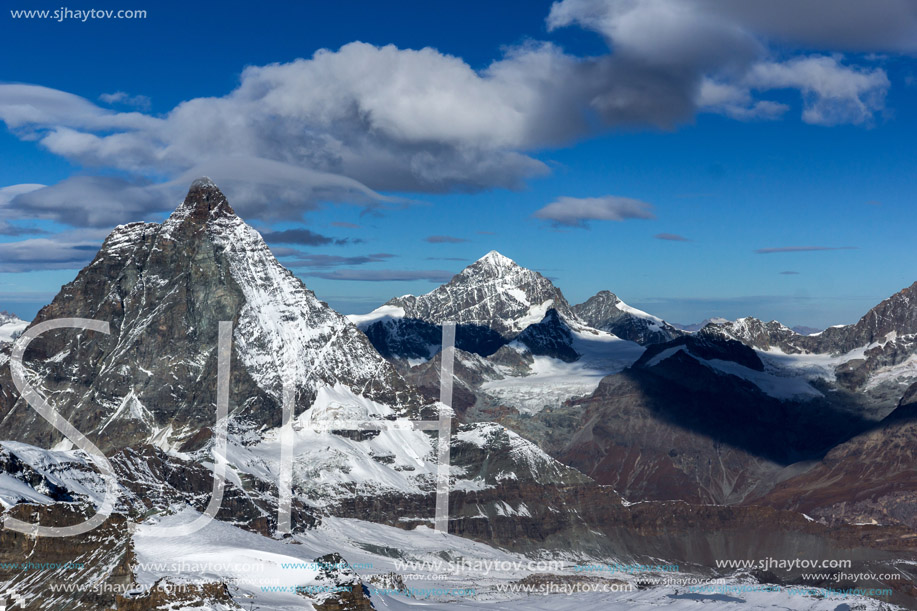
x=496, y=258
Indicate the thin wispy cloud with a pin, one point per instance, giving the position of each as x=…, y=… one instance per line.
x=325, y=261
x=120, y=97
x=671, y=237
x=769, y=251
x=789, y=273
x=578, y=212
x=45, y=253
x=305, y=237
x=444, y=239
x=385, y=275
x=344, y=125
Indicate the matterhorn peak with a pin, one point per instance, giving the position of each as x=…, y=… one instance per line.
x=204, y=202
x=204, y=182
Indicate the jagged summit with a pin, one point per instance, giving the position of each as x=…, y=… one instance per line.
x=494, y=292
x=493, y=265
x=204, y=182
x=606, y=311
x=204, y=201
x=496, y=258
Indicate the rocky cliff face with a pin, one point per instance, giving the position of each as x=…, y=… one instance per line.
x=695, y=418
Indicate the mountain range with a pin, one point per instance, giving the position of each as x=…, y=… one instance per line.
x=592, y=432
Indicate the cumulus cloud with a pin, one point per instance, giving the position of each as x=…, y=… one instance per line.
x=347, y=125
x=720, y=49
x=768, y=251
x=832, y=93
x=847, y=25
x=577, y=212
x=735, y=100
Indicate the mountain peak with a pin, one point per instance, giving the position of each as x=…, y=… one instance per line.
x=203, y=202
x=494, y=292
x=495, y=258
x=204, y=182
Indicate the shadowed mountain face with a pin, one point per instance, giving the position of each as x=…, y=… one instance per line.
x=550, y=337
x=413, y=338
x=163, y=289
x=492, y=292
x=491, y=301
x=870, y=478
x=675, y=426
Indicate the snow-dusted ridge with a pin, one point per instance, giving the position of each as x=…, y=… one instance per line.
x=11, y=327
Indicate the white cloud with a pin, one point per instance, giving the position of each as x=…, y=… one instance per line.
x=577, y=212
x=122, y=97
x=346, y=125
x=90, y=201
x=45, y=253
x=736, y=101
x=833, y=93
x=847, y=25
x=722, y=54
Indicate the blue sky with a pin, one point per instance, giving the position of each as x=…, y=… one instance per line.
x=581, y=139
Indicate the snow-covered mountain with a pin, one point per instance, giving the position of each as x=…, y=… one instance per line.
x=877, y=353
x=11, y=327
x=145, y=393
x=546, y=397
x=755, y=333
x=492, y=301
x=163, y=288
x=538, y=351
x=493, y=292
x=605, y=311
